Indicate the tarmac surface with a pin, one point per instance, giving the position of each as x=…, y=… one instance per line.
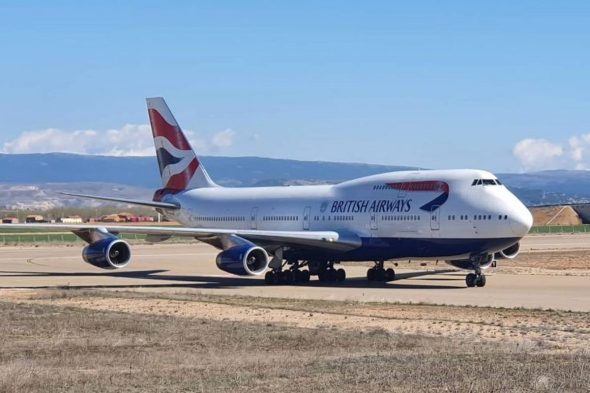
x=191, y=267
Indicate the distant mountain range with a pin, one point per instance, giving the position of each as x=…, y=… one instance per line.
x=143, y=171
x=31, y=180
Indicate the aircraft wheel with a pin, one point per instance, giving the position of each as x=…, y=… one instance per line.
x=287, y=277
x=340, y=275
x=379, y=275
x=332, y=275
x=324, y=275
x=481, y=281
x=269, y=278
x=470, y=280
x=304, y=275
x=371, y=274
x=389, y=274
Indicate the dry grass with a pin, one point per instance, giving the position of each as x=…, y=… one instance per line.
x=56, y=348
x=562, y=260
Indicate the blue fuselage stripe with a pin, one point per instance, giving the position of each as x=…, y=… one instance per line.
x=380, y=248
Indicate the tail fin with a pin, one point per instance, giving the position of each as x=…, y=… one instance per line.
x=180, y=168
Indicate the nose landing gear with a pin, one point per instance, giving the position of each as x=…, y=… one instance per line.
x=473, y=280
x=478, y=279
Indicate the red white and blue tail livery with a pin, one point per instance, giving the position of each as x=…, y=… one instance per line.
x=465, y=217
x=180, y=168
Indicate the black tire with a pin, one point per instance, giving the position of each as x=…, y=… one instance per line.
x=276, y=278
x=470, y=280
x=390, y=274
x=269, y=278
x=305, y=276
x=481, y=281
x=371, y=274
x=296, y=275
x=340, y=275
x=323, y=275
x=380, y=275
x=333, y=275
x=287, y=277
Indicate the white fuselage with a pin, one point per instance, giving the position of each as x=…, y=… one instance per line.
x=430, y=214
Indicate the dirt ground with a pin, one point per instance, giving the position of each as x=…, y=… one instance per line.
x=549, y=330
x=73, y=340
x=558, y=215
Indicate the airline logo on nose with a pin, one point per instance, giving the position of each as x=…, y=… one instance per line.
x=425, y=186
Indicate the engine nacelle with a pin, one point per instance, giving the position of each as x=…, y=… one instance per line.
x=109, y=253
x=243, y=260
x=508, y=253
x=467, y=264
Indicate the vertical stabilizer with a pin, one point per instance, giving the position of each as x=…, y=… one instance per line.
x=180, y=168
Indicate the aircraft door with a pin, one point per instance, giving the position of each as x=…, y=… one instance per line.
x=374, y=221
x=254, y=218
x=435, y=218
x=306, y=214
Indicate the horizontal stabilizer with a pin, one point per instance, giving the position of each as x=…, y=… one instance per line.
x=162, y=205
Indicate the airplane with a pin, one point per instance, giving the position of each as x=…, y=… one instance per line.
x=464, y=217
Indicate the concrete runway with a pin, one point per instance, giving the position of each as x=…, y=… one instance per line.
x=191, y=267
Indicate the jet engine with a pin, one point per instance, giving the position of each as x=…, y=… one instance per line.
x=109, y=253
x=467, y=264
x=243, y=260
x=508, y=253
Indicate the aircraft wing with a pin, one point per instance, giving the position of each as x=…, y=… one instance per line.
x=329, y=240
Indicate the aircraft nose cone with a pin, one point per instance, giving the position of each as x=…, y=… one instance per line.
x=522, y=221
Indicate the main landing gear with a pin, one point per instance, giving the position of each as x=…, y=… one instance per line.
x=286, y=277
x=326, y=271
x=329, y=274
x=277, y=275
x=294, y=274
x=379, y=273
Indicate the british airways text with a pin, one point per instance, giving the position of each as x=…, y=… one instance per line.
x=376, y=206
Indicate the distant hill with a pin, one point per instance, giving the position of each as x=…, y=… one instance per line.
x=143, y=171
x=28, y=180
x=546, y=187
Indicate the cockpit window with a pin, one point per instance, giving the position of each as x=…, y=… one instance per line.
x=486, y=182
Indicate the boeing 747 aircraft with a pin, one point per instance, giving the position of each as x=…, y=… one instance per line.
x=464, y=217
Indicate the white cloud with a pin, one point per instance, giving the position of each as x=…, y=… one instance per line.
x=223, y=138
x=537, y=154
x=129, y=140
x=540, y=154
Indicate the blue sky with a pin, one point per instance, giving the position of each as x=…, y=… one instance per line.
x=500, y=85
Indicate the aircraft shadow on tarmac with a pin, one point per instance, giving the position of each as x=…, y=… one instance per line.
x=220, y=282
